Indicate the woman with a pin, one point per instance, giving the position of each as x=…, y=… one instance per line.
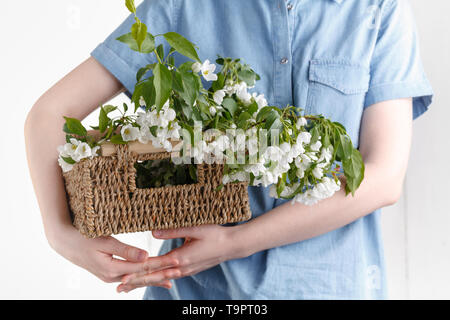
x=331, y=57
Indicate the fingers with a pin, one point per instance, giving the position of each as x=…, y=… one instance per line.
x=159, y=278
x=127, y=288
x=125, y=251
x=117, y=268
x=153, y=264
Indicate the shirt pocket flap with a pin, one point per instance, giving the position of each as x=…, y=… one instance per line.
x=346, y=77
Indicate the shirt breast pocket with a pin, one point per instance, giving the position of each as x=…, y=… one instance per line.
x=337, y=89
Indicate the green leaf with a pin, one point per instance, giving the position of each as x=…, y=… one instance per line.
x=189, y=130
x=177, y=81
x=109, y=108
x=354, y=172
x=125, y=107
x=230, y=105
x=253, y=107
x=129, y=40
x=242, y=120
x=163, y=84
x=117, y=139
x=103, y=120
x=171, y=61
x=281, y=184
x=142, y=71
x=193, y=172
x=182, y=45
x=69, y=160
x=145, y=89
x=139, y=33
x=160, y=51
x=147, y=46
x=66, y=129
x=248, y=76
x=345, y=147
x=74, y=126
x=265, y=112
x=190, y=88
x=273, y=123
x=219, y=83
x=153, y=130
x=220, y=61
x=186, y=67
x=130, y=5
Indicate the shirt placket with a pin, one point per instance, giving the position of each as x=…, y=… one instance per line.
x=282, y=53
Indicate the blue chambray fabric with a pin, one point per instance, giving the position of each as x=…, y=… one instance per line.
x=330, y=57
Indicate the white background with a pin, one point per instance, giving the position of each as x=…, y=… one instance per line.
x=43, y=40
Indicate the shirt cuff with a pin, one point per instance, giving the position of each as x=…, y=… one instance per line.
x=119, y=68
x=421, y=92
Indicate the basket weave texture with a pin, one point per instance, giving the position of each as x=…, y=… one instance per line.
x=104, y=200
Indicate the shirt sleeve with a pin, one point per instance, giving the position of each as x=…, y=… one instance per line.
x=396, y=66
x=118, y=58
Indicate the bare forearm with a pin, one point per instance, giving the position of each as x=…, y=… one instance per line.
x=42, y=136
x=292, y=223
x=76, y=95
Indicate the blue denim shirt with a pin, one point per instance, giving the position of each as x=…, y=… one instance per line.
x=330, y=57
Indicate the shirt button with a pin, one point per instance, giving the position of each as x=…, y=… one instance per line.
x=284, y=60
x=289, y=7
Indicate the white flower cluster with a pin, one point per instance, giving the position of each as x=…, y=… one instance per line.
x=241, y=91
x=278, y=160
x=163, y=122
x=322, y=190
x=75, y=150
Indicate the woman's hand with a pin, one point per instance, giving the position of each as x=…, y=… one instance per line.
x=204, y=247
x=97, y=256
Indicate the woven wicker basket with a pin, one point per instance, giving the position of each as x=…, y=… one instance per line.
x=104, y=200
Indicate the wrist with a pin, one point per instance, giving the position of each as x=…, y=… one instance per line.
x=241, y=245
x=57, y=234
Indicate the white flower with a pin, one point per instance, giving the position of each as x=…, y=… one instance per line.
x=196, y=67
x=207, y=70
x=95, y=151
x=129, y=133
x=316, y=146
x=175, y=131
x=252, y=145
x=301, y=122
x=218, y=96
x=296, y=150
x=67, y=150
x=66, y=167
x=242, y=94
x=167, y=145
x=260, y=100
x=170, y=114
x=317, y=172
x=285, y=147
x=212, y=110
x=223, y=142
x=83, y=151
x=304, y=137
x=273, y=153
x=300, y=173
